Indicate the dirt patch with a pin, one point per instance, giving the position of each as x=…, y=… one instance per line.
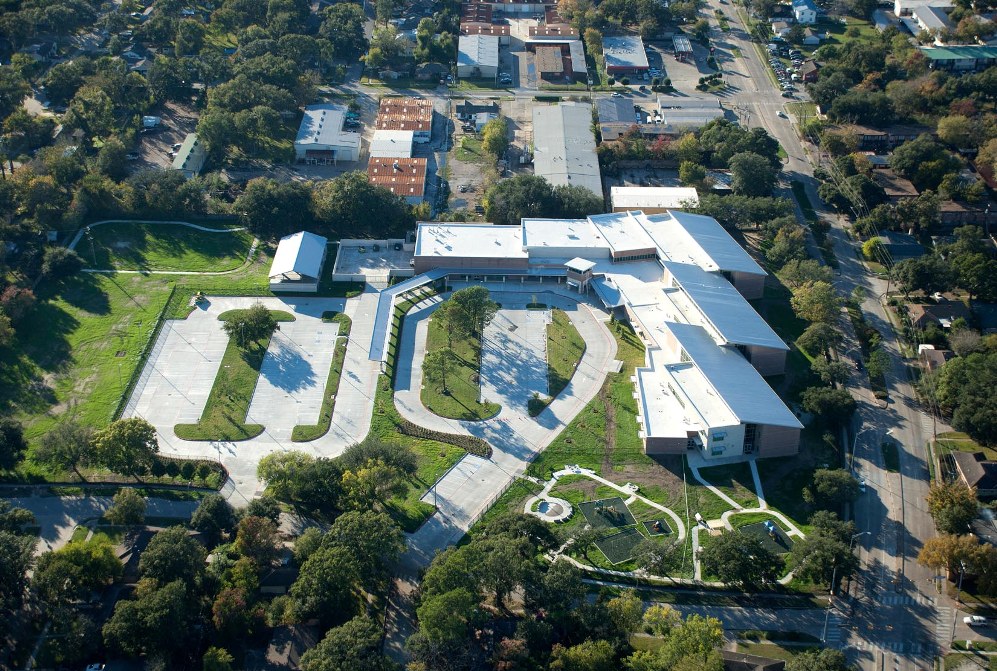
x=660, y=481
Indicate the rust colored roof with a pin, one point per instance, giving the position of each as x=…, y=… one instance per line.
x=477, y=28
x=476, y=12
x=405, y=114
x=405, y=177
x=553, y=30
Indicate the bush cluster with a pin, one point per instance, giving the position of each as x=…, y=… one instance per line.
x=470, y=444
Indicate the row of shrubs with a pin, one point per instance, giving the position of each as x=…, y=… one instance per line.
x=470, y=444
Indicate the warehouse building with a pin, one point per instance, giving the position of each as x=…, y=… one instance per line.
x=414, y=114
x=297, y=263
x=653, y=199
x=624, y=55
x=681, y=281
x=564, y=147
x=404, y=177
x=322, y=139
x=477, y=56
x=392, y=144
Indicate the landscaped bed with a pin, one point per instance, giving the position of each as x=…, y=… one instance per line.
x=138, y=246
x=565, y=348
x=462, y=397
x=657, y=527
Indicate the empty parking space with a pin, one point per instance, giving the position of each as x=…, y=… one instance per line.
x=293, y=376
x=514, y=357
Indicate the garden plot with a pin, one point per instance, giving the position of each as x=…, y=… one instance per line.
x=514, y=357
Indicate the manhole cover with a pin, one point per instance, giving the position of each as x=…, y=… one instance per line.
x=119, y=353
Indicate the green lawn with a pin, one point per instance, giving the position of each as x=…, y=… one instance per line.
x=76, y=350
x=891, y=455
x=565, y=348
x=469, y=150
x=307, y=432
x=434, y=459
x=734, y=480
x=136, y=246
x=463, y=389
x=862, y=31
x=224, y=414
x=739, y=520
x=773, y=650
x=955, y=441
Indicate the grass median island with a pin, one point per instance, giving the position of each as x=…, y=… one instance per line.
x=278, y=315
x=565, y=348
x=461, y=399
x=307, y=432
x=224, y=414
x=140, y=246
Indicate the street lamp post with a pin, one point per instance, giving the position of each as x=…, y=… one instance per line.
x=851, y=460
x=962, y=572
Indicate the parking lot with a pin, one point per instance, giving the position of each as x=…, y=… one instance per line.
x=785, y=62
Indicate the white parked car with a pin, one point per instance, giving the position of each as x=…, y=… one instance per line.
x=975, y=620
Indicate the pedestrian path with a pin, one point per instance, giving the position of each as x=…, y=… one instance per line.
x=908, y=647
x=832, y=638
x=944, y=624
x=898, y=600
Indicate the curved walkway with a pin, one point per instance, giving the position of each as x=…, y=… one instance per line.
x=109, y=271
x=468, y=489
x=630, y=492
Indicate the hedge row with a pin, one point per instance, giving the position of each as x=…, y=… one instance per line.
x=470, y=444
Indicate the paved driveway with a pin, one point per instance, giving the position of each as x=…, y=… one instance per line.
x=514, y=357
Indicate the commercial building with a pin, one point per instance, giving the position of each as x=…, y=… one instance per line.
x=932, y=19
x=392, y=144
x=906, y=7
x=681, y=115
x=652, y=199
x=405, y=177
x=478, y=56
x=681, y=281
x=960, y=58
x=564, y=148
x=322, y=138
x=624, y=55
x=297, y=263
x=414, y=114
x=190, y=157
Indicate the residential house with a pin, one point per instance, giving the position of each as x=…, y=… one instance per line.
x=811, y=39
x=931, y=358
x=976, y=471
x=780, y=29
x=897, y=188
x=952, y=214
x=941, y=314
x=962, y=58
x=431, y=71
x=901, y=246
x=805, y=12
x=808, y=71
x=881, y=140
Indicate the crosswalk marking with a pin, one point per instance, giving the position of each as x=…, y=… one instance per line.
x=898, y=600
x=833, y=636
x=890, y=646
x=944, y=624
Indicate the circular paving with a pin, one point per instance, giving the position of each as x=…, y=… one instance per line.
x=549, y=509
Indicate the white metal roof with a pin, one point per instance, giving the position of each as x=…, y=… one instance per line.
x=622, y=231
x=639, y=197
x=624, y=51
x=322, y=126
x=564, y=147
x=478, y=51
x=694, y=238
x=539, y=234
x=741, y=387
x=726, y=310
x=469, y=240
x=298, y=256
x=579, y=264
x=392, y=143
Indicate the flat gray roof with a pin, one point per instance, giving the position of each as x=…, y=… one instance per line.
x=624, y=51
x=564, y=147
x=726, y=309
x=478, y=51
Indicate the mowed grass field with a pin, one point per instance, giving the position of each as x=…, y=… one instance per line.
x=77, y=349
x=136, y=246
